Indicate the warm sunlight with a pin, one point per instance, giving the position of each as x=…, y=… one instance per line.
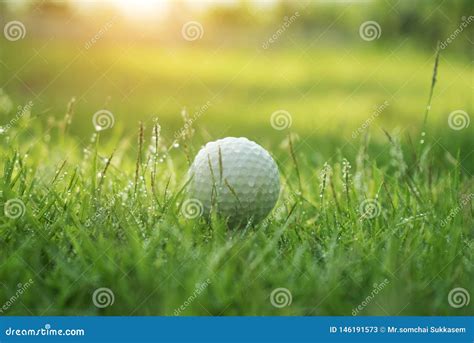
x=236, y=171
x=141, y=8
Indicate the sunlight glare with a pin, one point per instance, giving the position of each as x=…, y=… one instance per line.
x=141, y=8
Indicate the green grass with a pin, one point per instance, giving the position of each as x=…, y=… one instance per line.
x=79, y=233
x=81, y=230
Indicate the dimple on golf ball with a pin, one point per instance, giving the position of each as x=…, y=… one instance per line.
x=237, y=177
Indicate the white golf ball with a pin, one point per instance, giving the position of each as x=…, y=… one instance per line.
x=236, y=176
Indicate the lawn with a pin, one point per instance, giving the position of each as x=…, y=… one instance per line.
x=104, y=209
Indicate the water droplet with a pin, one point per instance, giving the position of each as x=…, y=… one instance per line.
x=176, y=145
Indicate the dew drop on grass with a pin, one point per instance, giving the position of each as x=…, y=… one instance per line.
x=176, y=145
x=2, y=130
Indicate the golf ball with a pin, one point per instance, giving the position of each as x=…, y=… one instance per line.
x=237, y=177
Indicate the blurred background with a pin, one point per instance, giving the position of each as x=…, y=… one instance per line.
x=333, y=70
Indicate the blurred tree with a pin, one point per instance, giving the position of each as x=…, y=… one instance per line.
x=240, y=13
x=53, y=7
x=425, y=21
